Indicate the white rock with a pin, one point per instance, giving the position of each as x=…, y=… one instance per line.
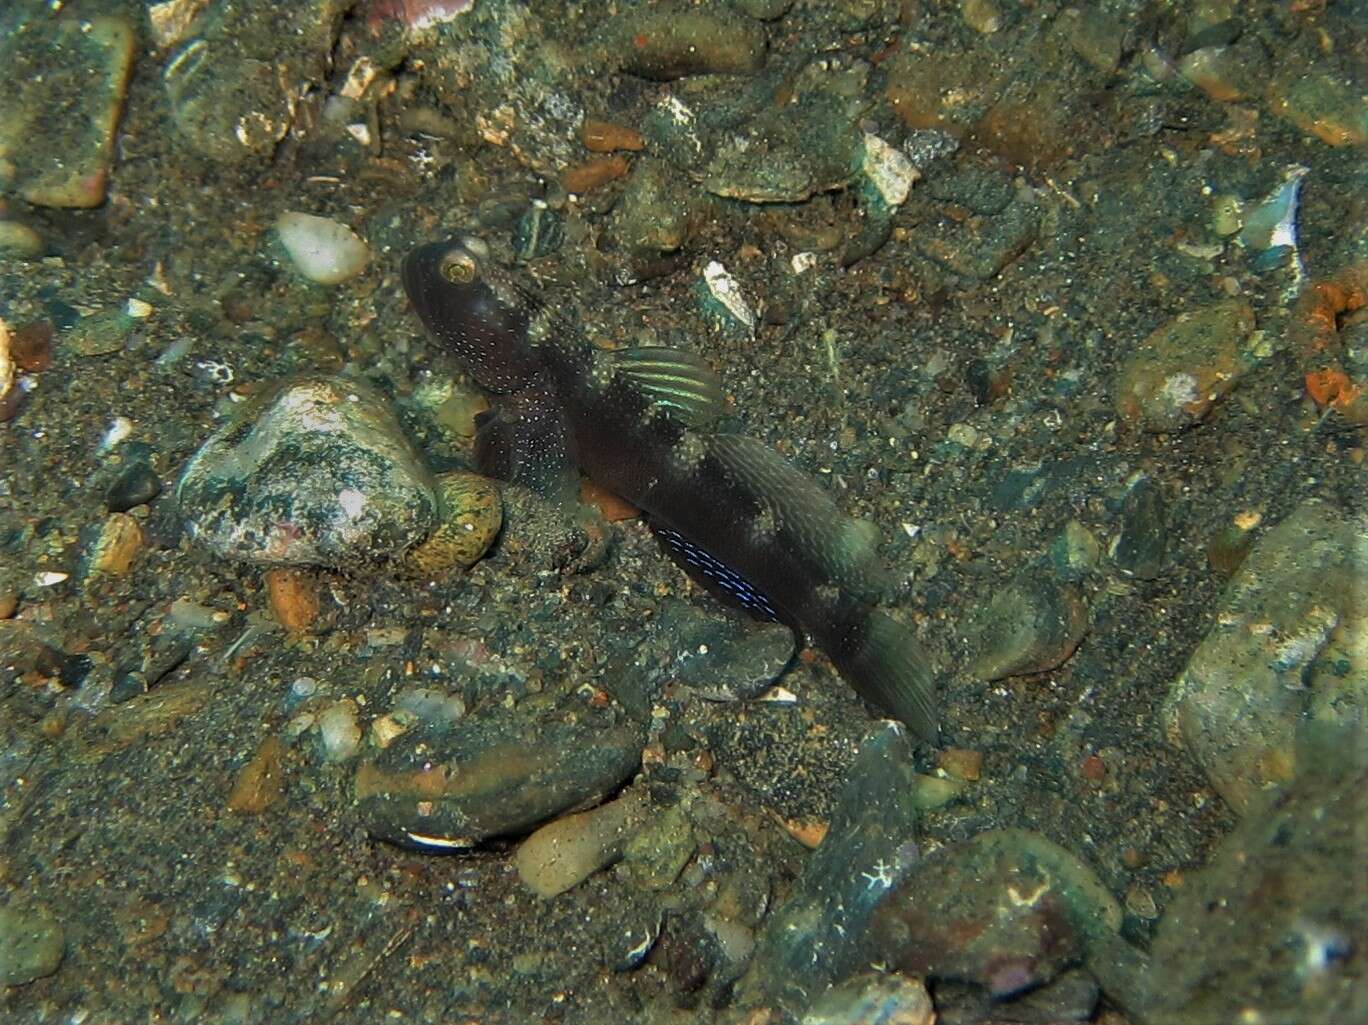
x=322, y=250
x=339, y=731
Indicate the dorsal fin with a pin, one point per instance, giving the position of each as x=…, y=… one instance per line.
x=676, y=379
x=805, y=514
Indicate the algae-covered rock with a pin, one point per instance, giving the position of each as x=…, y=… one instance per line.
x=1288, y=645
x=1178, y=372
x=470, y=514
x=1007, y=910
x=445, y=785
x=66, y=79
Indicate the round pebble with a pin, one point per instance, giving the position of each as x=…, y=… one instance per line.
x=314, y=473
x=322, y=250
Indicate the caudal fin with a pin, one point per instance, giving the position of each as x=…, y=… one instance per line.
x=887, y=666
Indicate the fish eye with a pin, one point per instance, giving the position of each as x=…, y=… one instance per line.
x=458, y=267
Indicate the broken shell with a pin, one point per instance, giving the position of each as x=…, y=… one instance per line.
x=471, y=515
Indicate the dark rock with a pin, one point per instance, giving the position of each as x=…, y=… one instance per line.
x=816, y=937
x=1007, y=911
x=137, y=484
x=1032, y=625
x=1138, y=550
x=446, y=785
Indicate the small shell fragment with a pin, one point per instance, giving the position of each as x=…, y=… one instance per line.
x=723, y=288
x=889, y=169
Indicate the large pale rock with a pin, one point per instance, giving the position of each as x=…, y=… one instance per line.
x=314, y=472
x=1287, y=653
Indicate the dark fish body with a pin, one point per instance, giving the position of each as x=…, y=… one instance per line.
x=642, y=423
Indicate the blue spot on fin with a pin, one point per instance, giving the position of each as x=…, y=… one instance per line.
x=715, y=575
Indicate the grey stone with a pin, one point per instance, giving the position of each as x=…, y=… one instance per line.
x=31, y=944
x=816, y=937
x=315, y=472
x=1287, y=653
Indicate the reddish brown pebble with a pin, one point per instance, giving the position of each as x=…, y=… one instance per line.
x=118, y=545
x=9, y=603
x=594, y=173
x=258, y=783
x=808, y=832
x=605, y=136
x=292, y=595
x=1094, y=769
x=31, y=346
x=961, y=763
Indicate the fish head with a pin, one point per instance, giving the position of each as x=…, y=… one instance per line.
x=476, y=312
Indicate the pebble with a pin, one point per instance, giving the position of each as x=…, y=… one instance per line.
x=8, y=371
x=315, y=471
x=259, y=784
x=659, y=850
x=58, y=119
x=594, y=174
x=725, y=658
x=136, y=484
x=117, y=545
x=961, y=763
x=1007, y=910
x=292, y=596
x=607, y=136
x=1139, y=546
x=1178, y=372
x=665, y=44
x=233, y=89
x=1095, y=35
x=1269, y=929
x=816, y=936
x=1280, y=659
x=1074, y=553
x=470, y=515
x=32, y=943
x=339, y=731
x=564, y=853
x=443, y=785
x=1329, y=106
x=1030, y=626
x=321, y=249
x=874, y=998
x=101, y=334
x=18, y=239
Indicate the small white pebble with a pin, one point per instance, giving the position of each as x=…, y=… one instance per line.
x=137, y=309
x=322, y=250
x=339, y=731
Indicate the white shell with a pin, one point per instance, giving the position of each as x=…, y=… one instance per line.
x=322, y=250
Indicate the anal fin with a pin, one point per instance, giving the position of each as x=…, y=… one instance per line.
x=715, y=576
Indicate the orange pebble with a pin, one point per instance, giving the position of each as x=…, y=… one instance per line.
x=293, y=597
x=1094, y=769
x=605, y=136
x=1331, y=387
x=594, y=174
